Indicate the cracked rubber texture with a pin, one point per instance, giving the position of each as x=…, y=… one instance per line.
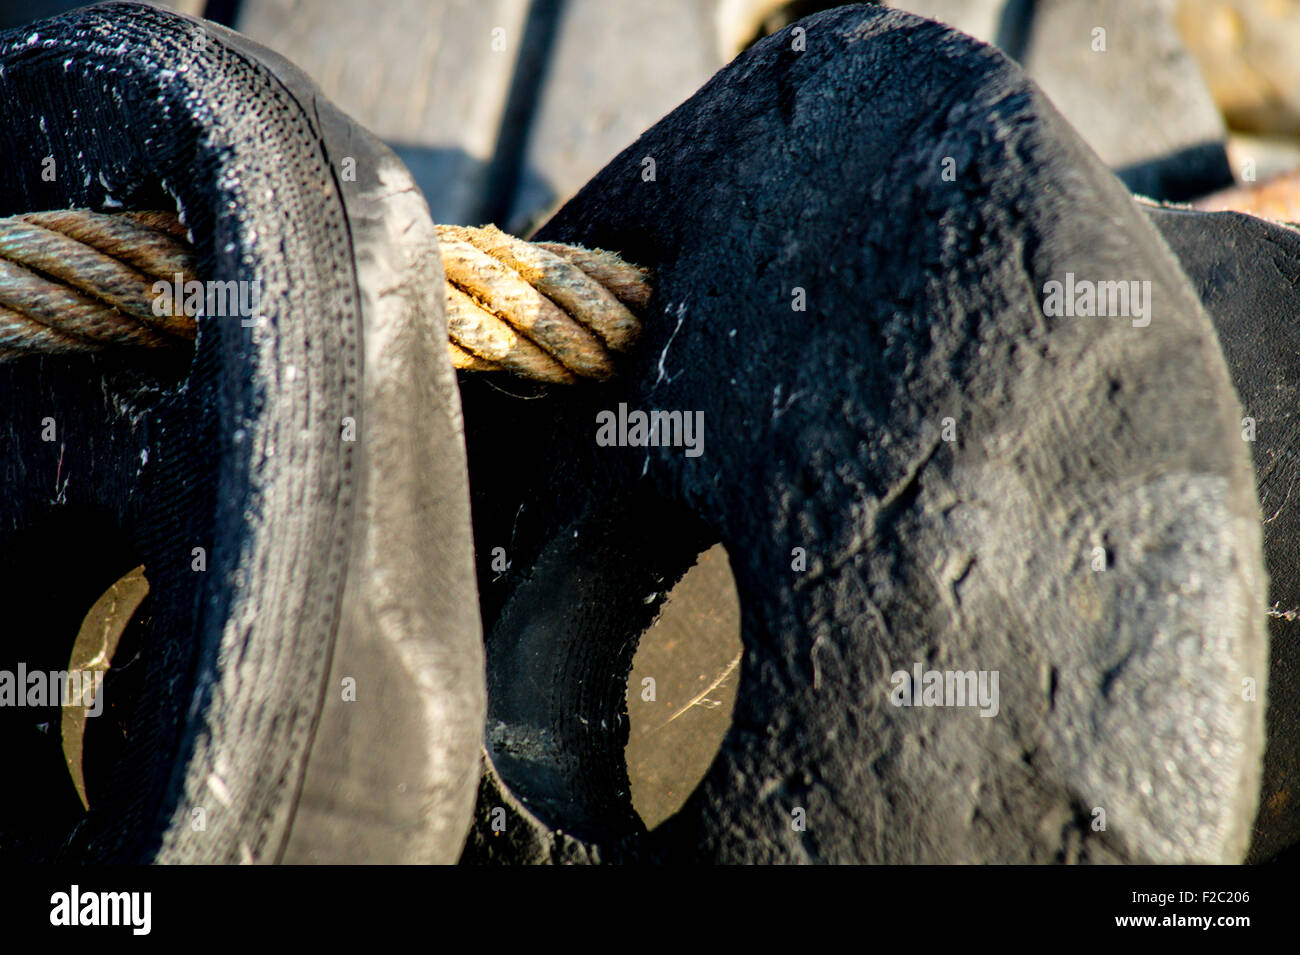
x=1120, y=688
x=320, y=550
x=1246, y=270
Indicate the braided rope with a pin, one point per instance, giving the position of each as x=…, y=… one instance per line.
x=79, y=281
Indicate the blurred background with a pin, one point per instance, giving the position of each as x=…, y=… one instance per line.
x=503, y=109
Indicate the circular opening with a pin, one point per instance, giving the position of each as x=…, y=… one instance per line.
x=682, y=688
x=51, y=574
x=560, y=651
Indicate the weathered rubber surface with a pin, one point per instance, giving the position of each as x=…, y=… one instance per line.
x=326, y=558
x=1120, y=688
x=1246, y=271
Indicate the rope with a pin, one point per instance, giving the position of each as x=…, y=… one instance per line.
x=80, y=281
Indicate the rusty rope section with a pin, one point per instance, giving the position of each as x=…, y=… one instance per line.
x=77, y=281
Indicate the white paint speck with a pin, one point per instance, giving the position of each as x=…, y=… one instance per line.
x=218, y=789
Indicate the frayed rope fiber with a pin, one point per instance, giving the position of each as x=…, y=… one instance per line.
x=79, y=281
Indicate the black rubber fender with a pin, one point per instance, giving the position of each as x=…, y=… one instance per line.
x=1122, y=734
x=316, y=458
x=1246, y=271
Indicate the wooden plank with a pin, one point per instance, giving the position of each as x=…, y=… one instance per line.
x=982, y=19
x=430, y=79
x=1120, y=73
x=614, y=70
x=692, y=653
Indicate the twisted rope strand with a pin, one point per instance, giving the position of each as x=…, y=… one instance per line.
x=78, y=281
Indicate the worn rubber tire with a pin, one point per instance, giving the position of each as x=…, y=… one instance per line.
x=1246, y=271
x=1120, y=688
x=326, y=557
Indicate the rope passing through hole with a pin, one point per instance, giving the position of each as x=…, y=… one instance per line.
x=80, y=281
